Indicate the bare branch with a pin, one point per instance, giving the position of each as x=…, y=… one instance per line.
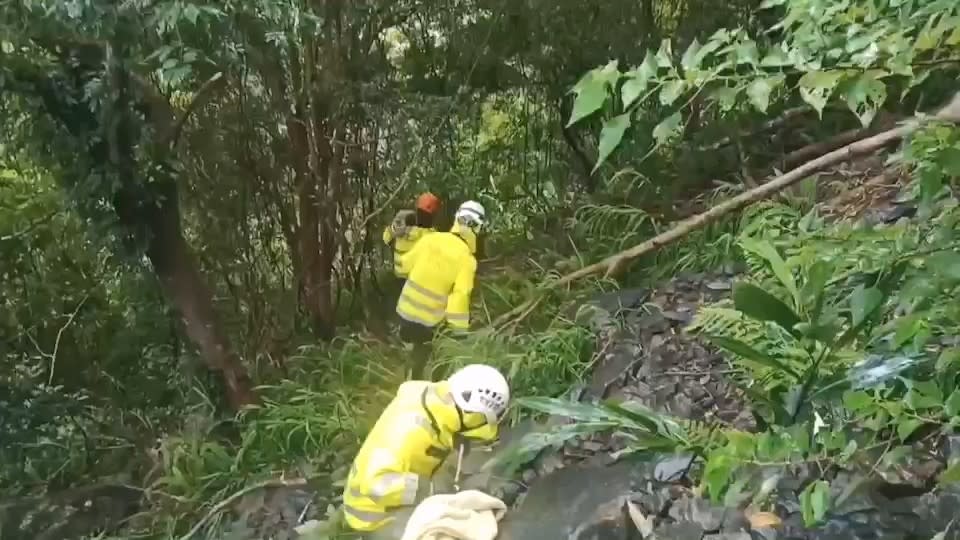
x=56, y=344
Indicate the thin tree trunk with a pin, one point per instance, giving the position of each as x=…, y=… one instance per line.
x=185, y=289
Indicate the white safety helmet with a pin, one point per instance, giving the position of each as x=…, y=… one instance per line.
x=471, y=214
x=481, y=389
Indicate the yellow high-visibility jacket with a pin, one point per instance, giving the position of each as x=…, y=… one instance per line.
x=403, y=451
x=402, y=243
x=440, y=270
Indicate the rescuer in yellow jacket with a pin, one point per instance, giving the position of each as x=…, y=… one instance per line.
x=425, y=421
x=440, y=271
x=408, y=227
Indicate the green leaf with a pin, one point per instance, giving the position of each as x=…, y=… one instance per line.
x=863, y=302
x=671, y=91
x=906, y=328
x=918, y=400
x=947, y=358
x=757, y=303
x=865, y=95
x=906, y=426
x=814, y=502
x=591, y=91
x=814, y=286
x=747, y=53
x=856, y=400
x=668, y=128
x=665, y=54
x=945, y=263
x=637, y=80
x=690, y=60
x=190, y=12
x=952, y=406
x=741, y=349
x=776, y=58
x=759, y=91
x=767, y=4
x=177, y=74
x=610, y=136
x=716, y=474
x=949, y=160
x=950, y=476
x=780, y=269
x=590, y=98
x=816, y=87
x=726, y=96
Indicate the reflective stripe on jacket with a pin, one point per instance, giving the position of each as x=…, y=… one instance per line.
x=404, y=449
x=440, y=272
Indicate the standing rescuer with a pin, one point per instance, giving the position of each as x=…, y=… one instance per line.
x=440, y=270
x=408, y=227
x=425, y=421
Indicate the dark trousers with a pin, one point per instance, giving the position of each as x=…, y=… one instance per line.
x=421, y=337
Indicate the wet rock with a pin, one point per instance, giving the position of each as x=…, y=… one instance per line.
x=610, y=521
x=700, y=511
x=529, y=476
x=720, y=285
x=678, y=531
x=741, y=535
x=585, y=495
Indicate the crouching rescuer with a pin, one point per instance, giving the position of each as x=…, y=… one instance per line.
x=423, y=424
x=440, y=270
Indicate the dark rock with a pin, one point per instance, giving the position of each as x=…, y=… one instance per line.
x=741, y=535
x=678, y=531
x=683, y=317
x=610, y=521
x=529, y=476
x=709, y=517
x=720, y=285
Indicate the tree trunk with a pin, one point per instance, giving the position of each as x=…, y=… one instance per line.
x=141, y=206
x=185, y=289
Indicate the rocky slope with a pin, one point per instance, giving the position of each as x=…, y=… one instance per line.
x=582, y=492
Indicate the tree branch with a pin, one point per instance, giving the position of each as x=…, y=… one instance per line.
x=200, y=98
x=56, y=343
x=614, y=264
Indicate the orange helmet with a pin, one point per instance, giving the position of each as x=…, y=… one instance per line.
x=428, y=202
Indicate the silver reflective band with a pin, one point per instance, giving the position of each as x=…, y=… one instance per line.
x=415, y=319
x=410, y=484
x=458, y=317
x=428, y=293
x=366, y=516
x=423, y=307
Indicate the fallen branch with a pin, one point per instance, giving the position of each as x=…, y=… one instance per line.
x=224, y=504
x=843, y=138
x=785, y=118
x=614, y=264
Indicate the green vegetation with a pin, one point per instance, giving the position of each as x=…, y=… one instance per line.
x=194, y=294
